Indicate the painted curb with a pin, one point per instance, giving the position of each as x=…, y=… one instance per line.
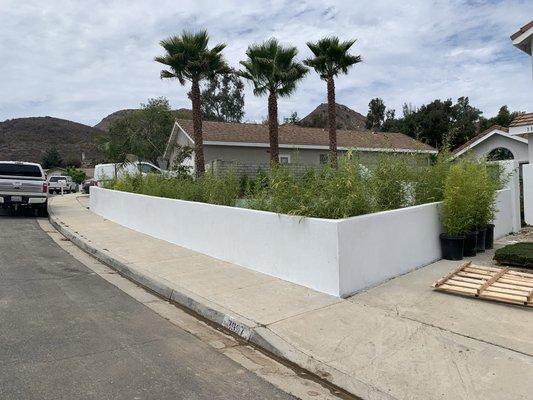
x=248, y=330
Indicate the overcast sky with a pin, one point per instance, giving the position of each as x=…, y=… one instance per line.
x=82, y=60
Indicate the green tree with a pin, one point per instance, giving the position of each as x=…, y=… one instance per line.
x=223, y=99
x=331, y=58
x=188, y=58
x=272, y=69
x=77, y=175
x=293, y=119
x=376, y=114
x=464, y=123
x=503, y=118
x=51, y=158
x=142, y=133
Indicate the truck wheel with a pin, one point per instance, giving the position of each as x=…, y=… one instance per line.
x=42, y=211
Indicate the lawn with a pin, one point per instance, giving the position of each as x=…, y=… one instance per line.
x=518, y=254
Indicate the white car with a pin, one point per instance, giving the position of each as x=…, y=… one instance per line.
x=106, y=172
x=56, y=182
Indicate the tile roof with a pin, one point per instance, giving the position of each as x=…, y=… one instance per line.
x=301, y=136
x=523, y=119
x=479, y=136
x=522, y=30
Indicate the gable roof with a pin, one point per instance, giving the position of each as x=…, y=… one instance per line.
x=523, y=119
x=487, y=133
x=523, y=29
x=256, y=135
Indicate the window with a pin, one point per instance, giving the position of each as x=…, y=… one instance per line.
x=284, y=159
x=147, y=168
x=324, y=158
x=9, y=169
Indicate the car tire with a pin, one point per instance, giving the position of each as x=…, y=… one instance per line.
x=42, y=211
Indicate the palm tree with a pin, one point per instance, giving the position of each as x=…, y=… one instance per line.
x=189, y=59
x=272, y=69
x=331, y=57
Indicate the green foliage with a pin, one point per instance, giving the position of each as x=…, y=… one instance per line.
x=51, y=159
x=77, y=175
x=376, y=114
x=329, y=193
x=209, y=188
x=142, y=133
x=189, y=59
x=331, y=57
x=390, y=181
x=223, y=99
x=430, y=180
x=183, y=153
x=272, y=68
x=519, y=254
x=469, y=197
x=503, y=118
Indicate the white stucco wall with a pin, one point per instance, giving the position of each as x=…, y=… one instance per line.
x=518, y=148
x=338, y=257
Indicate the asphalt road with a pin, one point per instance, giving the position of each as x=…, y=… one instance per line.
x=65, y=333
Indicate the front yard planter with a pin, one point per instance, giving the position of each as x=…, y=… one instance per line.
x=481, y=237
x=452, y=247
x=470, y=244
x=489, y=237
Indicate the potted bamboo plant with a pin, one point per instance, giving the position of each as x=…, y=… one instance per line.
x=456, y=212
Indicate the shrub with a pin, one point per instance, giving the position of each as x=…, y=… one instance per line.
x=391, y=181
x=429, y=180
x=464, y=197
x=77, y=175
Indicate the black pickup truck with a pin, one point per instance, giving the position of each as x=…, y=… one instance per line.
x=23, y=185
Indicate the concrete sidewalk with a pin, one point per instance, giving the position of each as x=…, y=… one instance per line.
x=400, y=340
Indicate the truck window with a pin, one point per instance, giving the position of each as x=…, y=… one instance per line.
x=20, y=170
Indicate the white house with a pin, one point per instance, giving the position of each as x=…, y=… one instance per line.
x=498, y=141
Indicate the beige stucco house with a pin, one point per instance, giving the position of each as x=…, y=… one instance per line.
x=248, y=144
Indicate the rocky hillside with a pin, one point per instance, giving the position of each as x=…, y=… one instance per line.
x=27, y=139
x=346, y=118
x=106, y=122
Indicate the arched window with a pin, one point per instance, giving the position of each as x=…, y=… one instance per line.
x=499, y=154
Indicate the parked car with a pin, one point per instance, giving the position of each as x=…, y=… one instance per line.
x=86, y=186
x=55, y=183
x=23, y=185
x=106, y=172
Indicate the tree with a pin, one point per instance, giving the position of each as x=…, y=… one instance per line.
x=503, y=118
x=189, y=59
x=331, y=58
x=223, y=99
x=272, y=70
x=376, y=114
x=142, y=133
x=464, y=123
x=51, y=158
x=77, y=175
x=293, y=119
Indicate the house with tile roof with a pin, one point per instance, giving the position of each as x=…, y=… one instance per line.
x=499, y=142
x=523, y=39
x=245, y=143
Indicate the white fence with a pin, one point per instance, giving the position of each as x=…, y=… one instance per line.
x=338, y=257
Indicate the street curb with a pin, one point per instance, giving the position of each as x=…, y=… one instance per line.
x=259, y=335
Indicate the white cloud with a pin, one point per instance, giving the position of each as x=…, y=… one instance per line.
x=83, y=60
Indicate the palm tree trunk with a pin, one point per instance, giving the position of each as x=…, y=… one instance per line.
x=332, y=119
x=273, y=127
x=197, y=128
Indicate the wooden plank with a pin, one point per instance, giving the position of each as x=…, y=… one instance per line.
x=451, y=273
x=494, y=278
x=529, y=297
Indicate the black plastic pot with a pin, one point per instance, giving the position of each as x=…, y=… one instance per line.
x=489, y=237
x=481, y=235
x=469, y=249
x=452, y=247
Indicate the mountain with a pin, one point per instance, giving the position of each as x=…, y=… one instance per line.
x=27, y=139
x=346, y=118
x=106, y=122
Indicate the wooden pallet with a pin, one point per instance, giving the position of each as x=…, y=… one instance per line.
x=500, y=284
